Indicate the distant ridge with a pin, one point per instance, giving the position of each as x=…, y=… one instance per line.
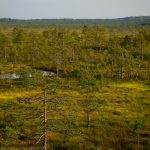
x=140, y=20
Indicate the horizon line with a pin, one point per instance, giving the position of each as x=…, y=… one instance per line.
x=72, y=18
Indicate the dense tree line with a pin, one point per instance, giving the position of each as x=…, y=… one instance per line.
x=70, y=51
x=140, y=20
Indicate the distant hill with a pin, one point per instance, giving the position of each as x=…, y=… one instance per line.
x=141, y=20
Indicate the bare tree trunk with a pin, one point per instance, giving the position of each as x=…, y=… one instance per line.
x=57, y=71
x=146, y=66
x=5, y=53
x=88, y=119
x=121, y=71
x=138, y=141
x=45, y=121
x=142, y=51
x=111, y=70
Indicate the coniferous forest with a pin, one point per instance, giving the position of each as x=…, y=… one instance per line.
x=75, y=87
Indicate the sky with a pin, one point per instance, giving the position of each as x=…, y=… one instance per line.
x=47, y=9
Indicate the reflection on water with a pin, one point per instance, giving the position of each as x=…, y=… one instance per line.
x=17, y=75
x=9, y=76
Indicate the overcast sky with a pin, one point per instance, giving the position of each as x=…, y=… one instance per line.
x=36, y=9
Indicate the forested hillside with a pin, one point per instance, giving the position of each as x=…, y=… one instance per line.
x=141, y=20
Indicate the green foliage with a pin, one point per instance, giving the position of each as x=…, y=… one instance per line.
x=71, y=53
x=86, y=109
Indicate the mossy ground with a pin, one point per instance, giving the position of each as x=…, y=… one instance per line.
x=119, y=116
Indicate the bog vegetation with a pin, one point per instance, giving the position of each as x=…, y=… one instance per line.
x=97, y=87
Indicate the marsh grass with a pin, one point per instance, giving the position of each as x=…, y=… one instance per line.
x=120, y=119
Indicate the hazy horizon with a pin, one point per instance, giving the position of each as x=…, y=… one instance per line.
x=71, y=18
x=71, y=9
